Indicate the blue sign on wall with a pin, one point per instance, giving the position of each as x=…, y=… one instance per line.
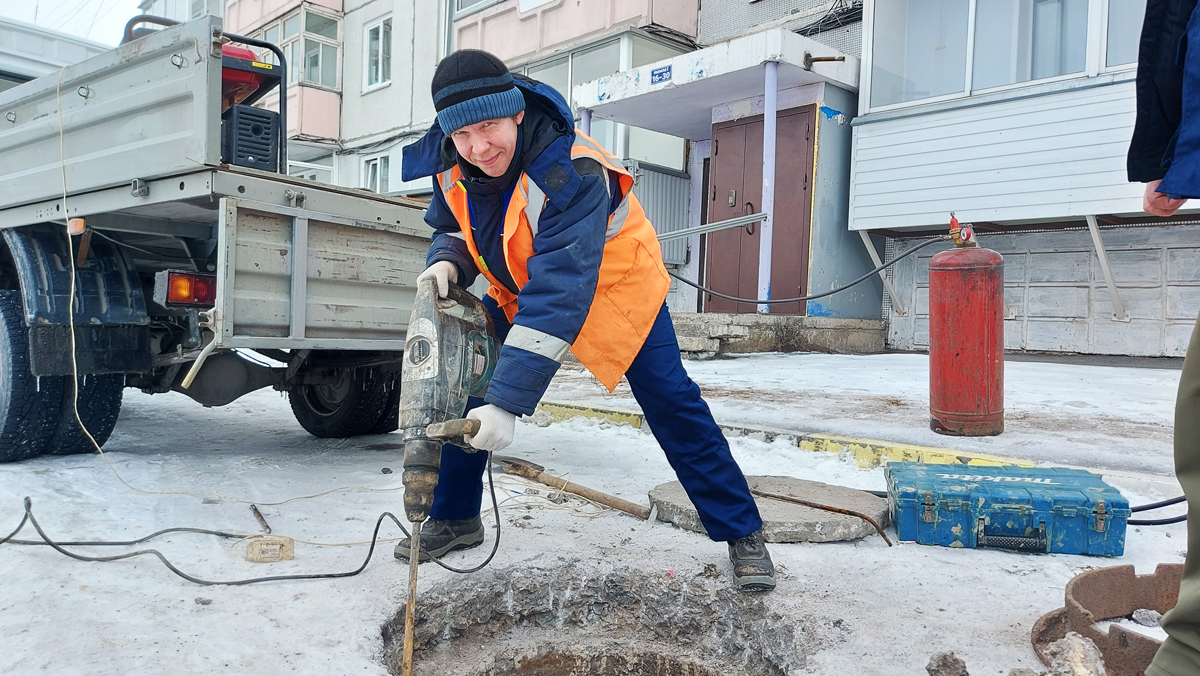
x=659, y=75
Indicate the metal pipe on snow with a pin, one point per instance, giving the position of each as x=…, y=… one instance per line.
x=770, y=112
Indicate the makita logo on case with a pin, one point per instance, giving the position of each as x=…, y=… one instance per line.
x=1000, y=479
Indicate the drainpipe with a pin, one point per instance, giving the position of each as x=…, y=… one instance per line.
x=770, y=109
x=585, y=121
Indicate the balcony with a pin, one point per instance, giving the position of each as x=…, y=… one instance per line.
x=516, y=37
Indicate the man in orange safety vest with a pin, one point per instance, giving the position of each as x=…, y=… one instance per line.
x=549, y=218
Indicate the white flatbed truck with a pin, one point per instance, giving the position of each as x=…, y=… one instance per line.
x=188, y=251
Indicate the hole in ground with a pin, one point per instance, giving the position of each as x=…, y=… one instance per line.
x=587, y=662
x=578, y=618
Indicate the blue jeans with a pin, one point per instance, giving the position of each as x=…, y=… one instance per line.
x=681, y=422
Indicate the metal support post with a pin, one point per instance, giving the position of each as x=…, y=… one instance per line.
x=585, y=121
x=770, y=111
x=1119, y=313
x=299, y=297
x=897, y=305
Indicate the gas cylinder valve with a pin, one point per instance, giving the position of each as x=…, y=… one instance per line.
x=962, y=235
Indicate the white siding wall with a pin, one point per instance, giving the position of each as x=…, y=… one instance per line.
x=1040, y=158
x=1056, y=299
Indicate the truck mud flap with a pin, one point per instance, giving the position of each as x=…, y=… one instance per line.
x=112, y=332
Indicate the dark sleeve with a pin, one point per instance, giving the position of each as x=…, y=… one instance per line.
x=563, y=273
x=1159, y=88
x=448, y=244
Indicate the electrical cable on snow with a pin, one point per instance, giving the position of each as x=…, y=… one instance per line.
x=60, y=547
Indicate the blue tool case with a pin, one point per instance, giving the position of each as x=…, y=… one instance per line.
x=1051, y=509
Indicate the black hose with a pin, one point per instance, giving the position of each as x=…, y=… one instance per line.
x=1156, y=505
x=777, y=301
x=1157, y=522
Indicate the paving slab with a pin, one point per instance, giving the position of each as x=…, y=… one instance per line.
x=786, y=521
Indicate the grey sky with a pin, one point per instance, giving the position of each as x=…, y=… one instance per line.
x=97, y=20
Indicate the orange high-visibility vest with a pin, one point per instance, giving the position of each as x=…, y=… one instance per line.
x=633, y=281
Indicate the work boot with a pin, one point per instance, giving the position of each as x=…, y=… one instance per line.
x=440, y=537
x=752, y=567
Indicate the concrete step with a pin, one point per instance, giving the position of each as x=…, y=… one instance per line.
x=695, y=344
x=746, y=333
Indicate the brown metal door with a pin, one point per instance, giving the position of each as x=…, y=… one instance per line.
x=793, y=209
x=726, y=174
x=736, y=189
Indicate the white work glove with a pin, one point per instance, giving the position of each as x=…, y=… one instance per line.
x=496, y=428
x=443, y=272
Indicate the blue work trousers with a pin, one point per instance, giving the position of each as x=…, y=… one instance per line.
x=681, y=422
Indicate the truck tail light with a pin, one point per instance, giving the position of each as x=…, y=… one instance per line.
x=178, y=288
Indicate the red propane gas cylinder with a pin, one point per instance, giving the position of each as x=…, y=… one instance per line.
x=966, y=340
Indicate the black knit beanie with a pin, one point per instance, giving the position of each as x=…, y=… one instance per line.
x=471, y=86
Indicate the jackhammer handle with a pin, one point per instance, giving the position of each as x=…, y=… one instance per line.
x=452, y=428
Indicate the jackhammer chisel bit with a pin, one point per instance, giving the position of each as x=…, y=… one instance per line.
x=449, y=355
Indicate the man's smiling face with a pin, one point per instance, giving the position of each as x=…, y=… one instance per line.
x=489, y=145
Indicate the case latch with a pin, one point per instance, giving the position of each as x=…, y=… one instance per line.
x=1101, y=516
x=929, y=516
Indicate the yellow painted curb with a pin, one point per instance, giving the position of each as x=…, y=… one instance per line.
x=866, y=452
x=561, y=411
x=872, y=453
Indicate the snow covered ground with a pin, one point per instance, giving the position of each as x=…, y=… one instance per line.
x=1091, y=416
x=900, y=604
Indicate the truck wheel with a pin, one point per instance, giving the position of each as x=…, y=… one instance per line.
x=99, y=406
x=390, y=420
x=28, y=413
x=351, y=406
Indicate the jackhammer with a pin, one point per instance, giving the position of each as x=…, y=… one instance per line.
x=449, y=355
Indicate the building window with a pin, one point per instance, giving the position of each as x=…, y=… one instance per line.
x=919, y=47
x=919, y=51
x=311, y=170
x=556, y=73
x=1022, y=40
x=1124, y=31
x=202, y=7
x=375, y=174
x=311, y=53
x=592, y=62
x=378, y=66
x=462, y=7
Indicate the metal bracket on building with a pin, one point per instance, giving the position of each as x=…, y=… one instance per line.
x=1119, y=313
x=897, y=305
x=809, y=59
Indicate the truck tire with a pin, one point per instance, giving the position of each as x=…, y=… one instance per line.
x=390, y=420
x=348, y=408
x=28, y=413
x=99, y=406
